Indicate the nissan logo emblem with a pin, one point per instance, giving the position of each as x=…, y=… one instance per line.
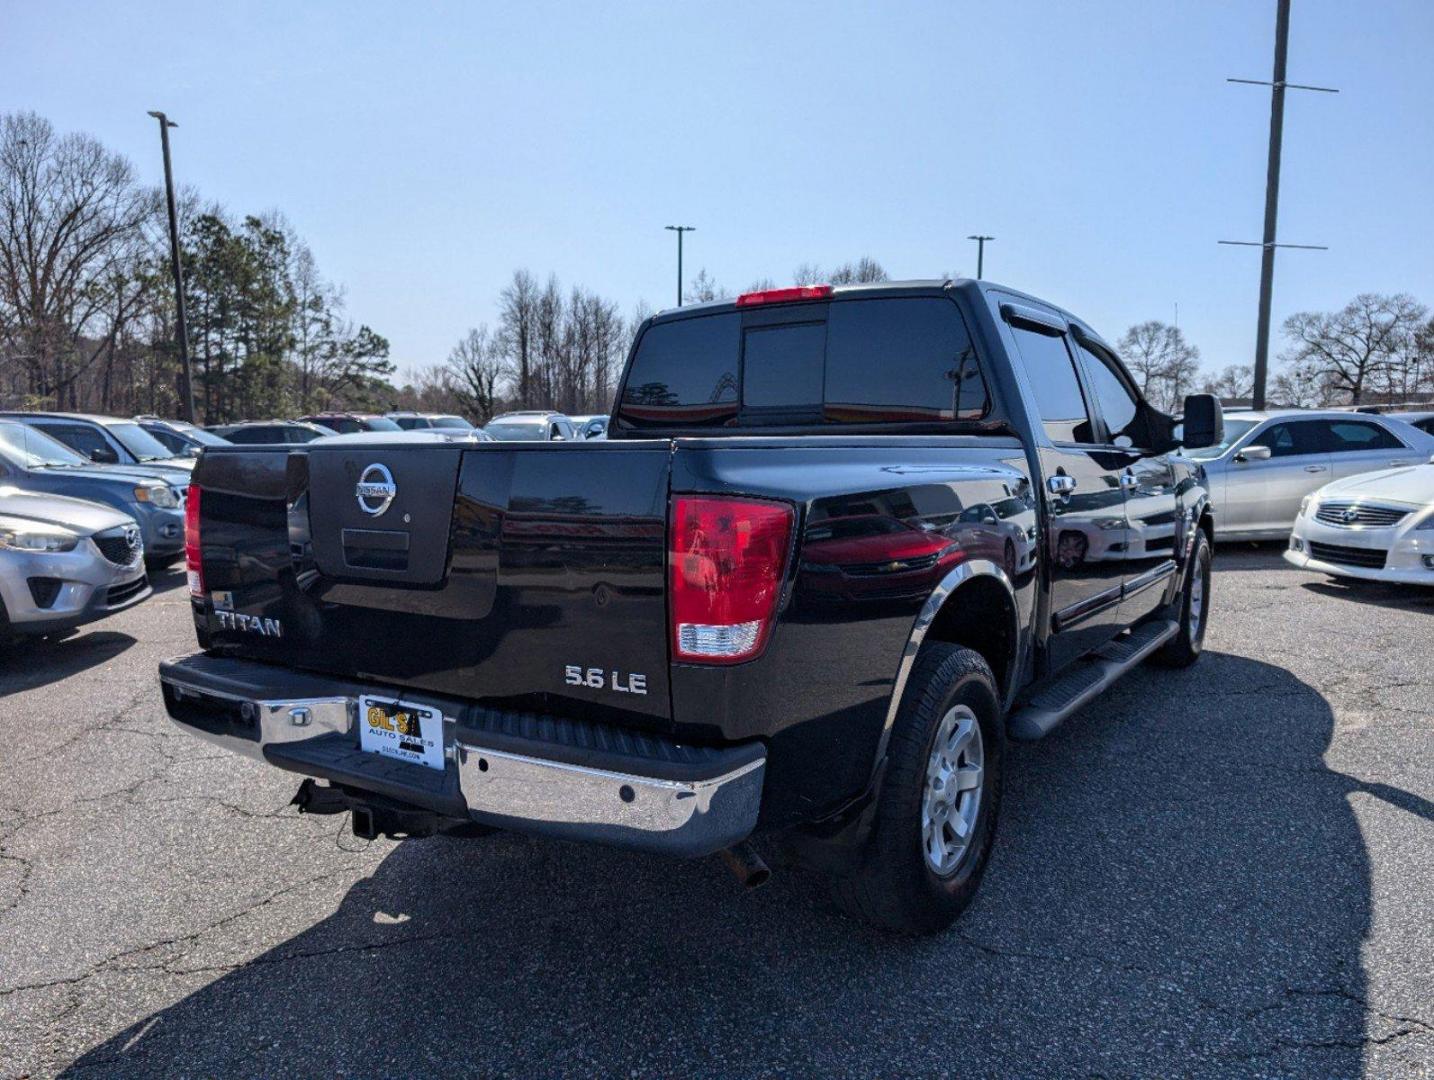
x=376, y=489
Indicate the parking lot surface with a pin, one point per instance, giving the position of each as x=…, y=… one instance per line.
x=1224, y=871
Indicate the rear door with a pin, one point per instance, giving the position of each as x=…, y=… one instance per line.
x=1264, y=495
x=1087, y=539
x=1358, y=446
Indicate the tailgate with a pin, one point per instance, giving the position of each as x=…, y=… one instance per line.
x=489, y=571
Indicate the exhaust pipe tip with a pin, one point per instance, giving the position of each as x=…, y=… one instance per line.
x=746, y=865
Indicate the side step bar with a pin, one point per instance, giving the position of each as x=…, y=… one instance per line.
x=1043, y=711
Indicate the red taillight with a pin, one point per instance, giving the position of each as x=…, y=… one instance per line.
x=783, y=296
x=193, y=553
x=725, y=564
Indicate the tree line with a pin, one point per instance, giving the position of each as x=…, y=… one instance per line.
x=87, y=313
x=1376, y=350
x=87, y=317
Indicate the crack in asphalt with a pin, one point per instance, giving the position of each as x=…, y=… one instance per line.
x=114, y=961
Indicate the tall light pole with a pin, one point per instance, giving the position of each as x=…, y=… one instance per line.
x=187, y=390
x=679, y=230
x=1277, y=86
x=980, y=251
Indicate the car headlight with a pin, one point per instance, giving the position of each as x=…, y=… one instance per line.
x=1427, y=523
x=160, y=495
x=1305, y=505
x=28, y=539
x=1110, y=523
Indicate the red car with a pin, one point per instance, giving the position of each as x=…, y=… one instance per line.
x=873, y=557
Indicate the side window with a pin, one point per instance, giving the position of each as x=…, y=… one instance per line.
x=1346, y=435
x=907, y=359
x=1117, y=405
x=1291, y=439
x=85, y=440
x=684, y=372
x=1053, y=380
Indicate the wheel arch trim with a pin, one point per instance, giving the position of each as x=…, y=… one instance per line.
x=944, y=592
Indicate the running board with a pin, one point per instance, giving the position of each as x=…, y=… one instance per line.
x=1039, y=714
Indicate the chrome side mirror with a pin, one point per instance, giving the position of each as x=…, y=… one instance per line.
x=1253, y=452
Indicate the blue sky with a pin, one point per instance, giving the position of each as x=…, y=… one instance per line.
x=426, y=150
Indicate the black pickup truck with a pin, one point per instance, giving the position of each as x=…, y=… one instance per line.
x=840, y=545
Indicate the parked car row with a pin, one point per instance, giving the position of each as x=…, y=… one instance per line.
x=1269, y=462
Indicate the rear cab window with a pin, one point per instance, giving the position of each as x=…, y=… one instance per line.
x=844, y=362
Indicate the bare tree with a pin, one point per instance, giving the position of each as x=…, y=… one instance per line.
x=517, y=327
x=1163, y=363
x=479, y=364
x=72, y=223
x=1348, y=352
x=704, y=289
x=1234, y=381
x=865, y=270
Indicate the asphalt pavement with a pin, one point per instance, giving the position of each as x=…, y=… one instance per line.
x=1225, y=871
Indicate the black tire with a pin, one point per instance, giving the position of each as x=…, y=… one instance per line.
x=1185, y=647
x=894, y=887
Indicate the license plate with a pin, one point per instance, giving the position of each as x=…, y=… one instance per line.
x=399, y=729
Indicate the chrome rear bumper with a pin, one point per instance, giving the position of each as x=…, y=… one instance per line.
x=643, y=792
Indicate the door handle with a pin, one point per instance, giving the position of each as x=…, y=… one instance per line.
x=1060, y=484
x=1129, y=481
x=1400, y=461
x=1315, y=468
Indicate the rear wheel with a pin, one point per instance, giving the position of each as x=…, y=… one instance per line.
x=1193, y=608
x=936, y=816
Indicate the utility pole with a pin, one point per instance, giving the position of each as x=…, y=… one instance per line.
x=186, y=376
x=1277, y=86
x=679, y=230
x=980, y=251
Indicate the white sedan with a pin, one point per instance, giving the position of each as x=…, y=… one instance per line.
x=1377, y=526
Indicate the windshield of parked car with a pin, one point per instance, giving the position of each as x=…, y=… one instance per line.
x=456, y=423
x=27, y=448
x=518, y=432
x=380, y=423
x=139, y=442
x=1234, y=429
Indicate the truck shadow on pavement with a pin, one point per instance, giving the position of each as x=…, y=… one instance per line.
x=27, y=664
x=1180, y=886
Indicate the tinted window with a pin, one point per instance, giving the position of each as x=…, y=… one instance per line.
x=1055, y=385
x=172, y=442
x=909, y=359
x=456, y=423
x=408, y=423
x=254, y=436
x=1117, y=405
x=379, y=423
x=84, y=439
x=685, y=372
x=1346, y=435
x=782, y=366
x=1291, y=439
